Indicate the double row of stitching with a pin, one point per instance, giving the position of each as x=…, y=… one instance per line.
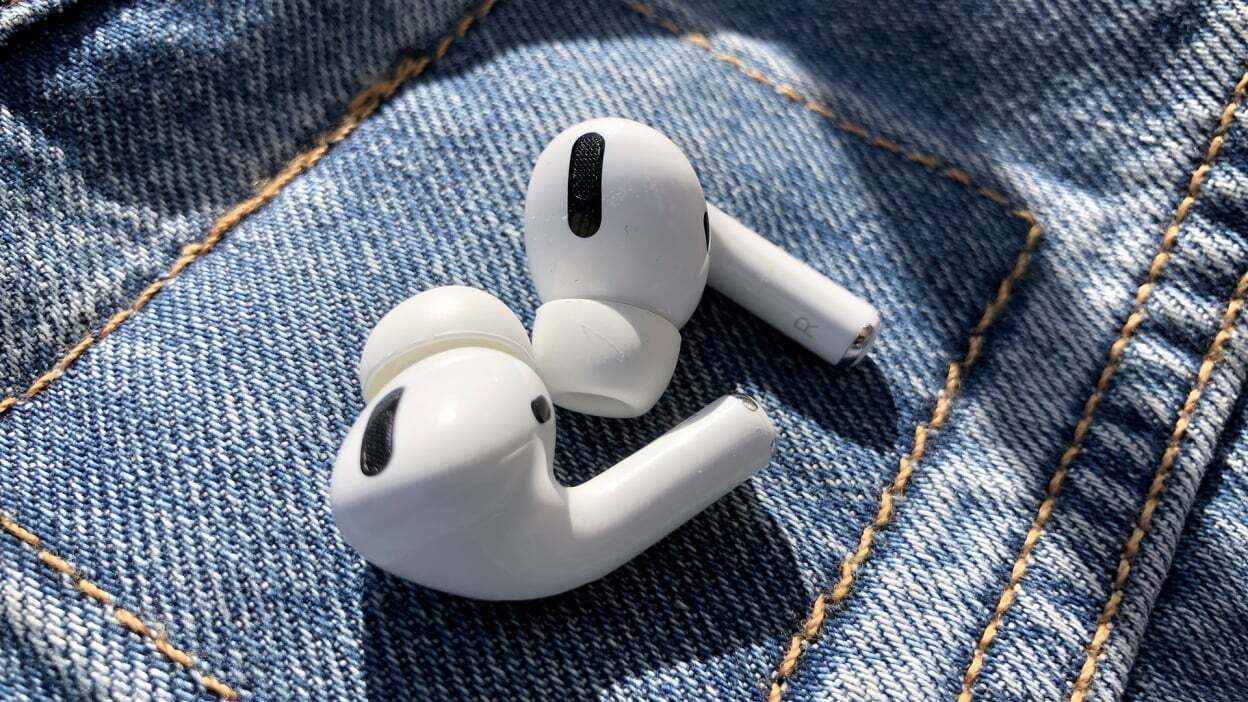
x=360, y=107
x=369, y=99
x=1114, y=360
x=954, y=376
x=1158, y=485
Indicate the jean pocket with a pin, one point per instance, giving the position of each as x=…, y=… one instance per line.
x=219, y=404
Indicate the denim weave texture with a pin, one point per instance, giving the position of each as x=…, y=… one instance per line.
x=1034, y=489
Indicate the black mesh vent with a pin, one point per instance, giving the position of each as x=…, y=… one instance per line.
x=585, y=184
x=378, y=443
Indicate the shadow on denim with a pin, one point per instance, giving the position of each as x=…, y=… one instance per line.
x=429, y=191
x=728, y=580
x=666, y=606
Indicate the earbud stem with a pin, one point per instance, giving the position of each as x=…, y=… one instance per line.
x=788, y=294
x=533, y=537
x=643, y=497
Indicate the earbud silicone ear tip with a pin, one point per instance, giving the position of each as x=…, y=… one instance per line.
x=604, y=358
x=438, y=320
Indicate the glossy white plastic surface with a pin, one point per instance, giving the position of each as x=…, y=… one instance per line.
x=436, y=320
x=604, y=358
x=468, y=503
x=788, y=294
x=653, y=250
x=650, y=248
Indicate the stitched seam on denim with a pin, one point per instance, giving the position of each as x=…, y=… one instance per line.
x=840, y=592
x=123, y=616
x=1155, y=489
x=1116, y=350
x=363, y=104
x=811, y=628
x=932, y=163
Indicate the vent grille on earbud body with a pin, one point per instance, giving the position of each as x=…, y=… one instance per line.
x=585, y=184
x=378, y=443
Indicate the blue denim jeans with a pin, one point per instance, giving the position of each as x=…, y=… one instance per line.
x=1036, y=488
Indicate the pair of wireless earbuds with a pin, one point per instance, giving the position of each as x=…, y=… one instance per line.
x=447, y=477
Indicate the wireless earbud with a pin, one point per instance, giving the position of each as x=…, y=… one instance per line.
x=620, y=242
x=614, y=231
x=447, y=478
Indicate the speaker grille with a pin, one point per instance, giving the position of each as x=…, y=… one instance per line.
x=585, y=184
x=378, y=443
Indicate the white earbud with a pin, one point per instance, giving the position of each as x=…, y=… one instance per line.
x=620, y=241
x=615, y=239
x=447, y=478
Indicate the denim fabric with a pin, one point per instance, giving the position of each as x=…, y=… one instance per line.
x=51, y=648
x=176, y=473
x=1193, y=643
x=129, y=127
x=1198, y=622
x=14, y=15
